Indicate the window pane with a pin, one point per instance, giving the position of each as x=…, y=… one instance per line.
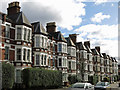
x=60, y=47
x=28, y=35
x=18, y=33
x=60, y=62
x=18, y=54
x=6, y=52
x=18, y=76
x=45, y=60
x=25, y=33
x=37, y=41
x=37, y=59
x=42, y=60
x=28, y=55
x=24, y=54
x=7, y=32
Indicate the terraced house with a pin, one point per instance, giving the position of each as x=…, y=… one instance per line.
x=27, y=45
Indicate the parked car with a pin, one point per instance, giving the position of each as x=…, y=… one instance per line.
x=82, y=86
x=102, y=85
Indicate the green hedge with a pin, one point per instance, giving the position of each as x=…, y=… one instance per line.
x=95, y=79
x=8, y=75
x=72, y=79
x=36, y=77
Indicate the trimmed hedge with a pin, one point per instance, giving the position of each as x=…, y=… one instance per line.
x=41, y=78
x=8, y=75
x=95, y=79
x=72, y=79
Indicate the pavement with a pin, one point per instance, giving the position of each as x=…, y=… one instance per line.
x=115, y=86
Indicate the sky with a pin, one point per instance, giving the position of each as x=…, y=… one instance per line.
x=93, y=20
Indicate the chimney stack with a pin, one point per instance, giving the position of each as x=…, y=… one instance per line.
x=13, y=8
x=51, y=27
x=98, y=48
x=87, y=43
x=73, y=37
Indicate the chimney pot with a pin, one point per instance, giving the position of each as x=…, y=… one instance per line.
x=13, y=8
x=73, y=37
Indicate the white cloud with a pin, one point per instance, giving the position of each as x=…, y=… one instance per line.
x=97, y=2
x=67, y=13
x=99, y=17
x=112, y=4
x=105, y=36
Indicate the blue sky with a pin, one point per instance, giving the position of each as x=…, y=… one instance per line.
x=108, y=8
x=95, y=21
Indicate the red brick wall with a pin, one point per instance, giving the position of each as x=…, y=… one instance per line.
x=3, y=54
x=12, y=55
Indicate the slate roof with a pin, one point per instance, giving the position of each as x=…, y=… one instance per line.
x=81, y=46
x=19, y=18
x=105, y=55
x=88, y=49
x=58, y=36
x=69, y=41
x=94, y=51
x=38, y=28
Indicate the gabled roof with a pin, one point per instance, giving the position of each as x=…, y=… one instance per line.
x=88, y=49
x=38, y=28
x=95, y=52
x=105, y=55
x=19, y=18
x=69, y=41
x=58, y=36
x=81, y=46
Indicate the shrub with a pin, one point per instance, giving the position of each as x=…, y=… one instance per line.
x=8, y=75
x=36, y=77
x=72, y=79
x=95, y=79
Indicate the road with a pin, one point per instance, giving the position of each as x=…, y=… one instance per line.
x=114, y=86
